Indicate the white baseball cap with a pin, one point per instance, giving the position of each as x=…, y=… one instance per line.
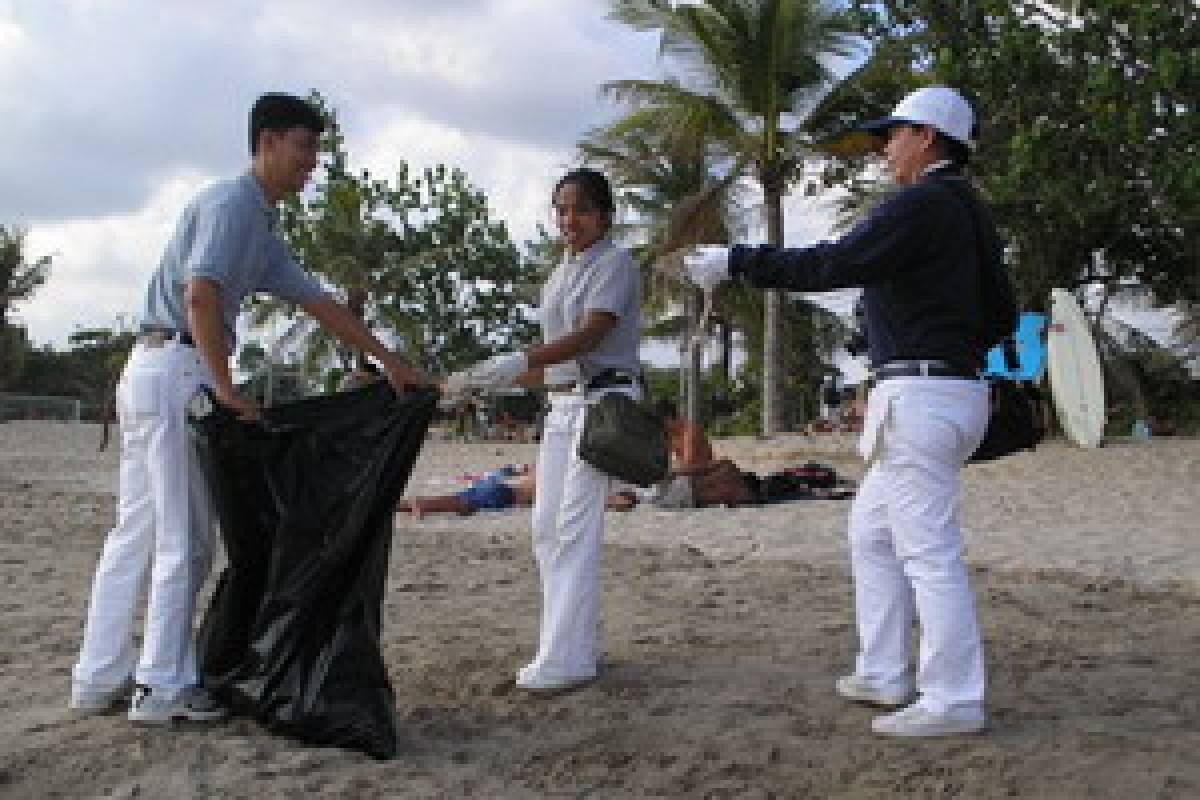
x=938, y=106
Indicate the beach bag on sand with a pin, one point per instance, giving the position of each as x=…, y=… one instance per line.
x=305, y=501
x=1015, y=420
x=625, y=439
x=814, y=475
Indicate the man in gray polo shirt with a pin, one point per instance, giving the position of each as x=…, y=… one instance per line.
x=224, y=248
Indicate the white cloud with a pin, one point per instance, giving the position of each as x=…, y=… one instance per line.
x=116, y=111
x=100, y=266
x=516, y=178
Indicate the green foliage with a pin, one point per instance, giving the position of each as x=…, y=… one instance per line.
x=661, y=384
x=455, y=280
x=665, y=178
x=286, y=386
x=1090, y=142
x=417, y=257
x=88, y=370
x=252, y=358
x=19, y=279
x=749, y=65
x=14, y=347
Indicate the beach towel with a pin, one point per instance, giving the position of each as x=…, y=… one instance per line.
x=305, y=501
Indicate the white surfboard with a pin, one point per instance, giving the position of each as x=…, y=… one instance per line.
x=1073, y=364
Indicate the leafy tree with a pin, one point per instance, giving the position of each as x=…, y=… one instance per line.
x=19, y=279
x=252, y=357
x=87, y=370
x=418, y=258
x=458, y=288
x=14, y=349
x=105, y=351
x=751, y=65
x=1089, y=138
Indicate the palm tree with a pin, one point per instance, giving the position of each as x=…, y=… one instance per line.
x=660, y=173
x=753, y=67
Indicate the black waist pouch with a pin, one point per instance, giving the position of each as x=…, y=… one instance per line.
x=1015, y=421
x=305, y=501
x=625, y=439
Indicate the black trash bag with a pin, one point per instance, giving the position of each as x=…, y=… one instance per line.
x=305, y=501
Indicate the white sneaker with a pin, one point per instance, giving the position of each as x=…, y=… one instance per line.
x=860, y=690
x=87, y=701
x=528, y=678
x=916, y=721
x=194, y=705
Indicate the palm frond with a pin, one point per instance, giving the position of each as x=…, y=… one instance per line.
x=676, y=106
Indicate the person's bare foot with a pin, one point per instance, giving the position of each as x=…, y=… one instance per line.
x=411, y=506
x=417, y=508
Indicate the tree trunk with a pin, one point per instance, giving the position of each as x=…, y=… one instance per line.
x=771, y=322
x=695, y=352
x=726, y=357
x=356, y=301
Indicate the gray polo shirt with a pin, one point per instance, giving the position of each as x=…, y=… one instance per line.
x=226, y=234
x=602, y=278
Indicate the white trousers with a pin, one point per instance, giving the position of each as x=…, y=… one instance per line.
x=568, y=529
x=163, y=535
x=906, y=544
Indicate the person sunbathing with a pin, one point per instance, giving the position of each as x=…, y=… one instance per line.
x=716, y=483
x=493, y=493
x=697, y=478
x=689, y=445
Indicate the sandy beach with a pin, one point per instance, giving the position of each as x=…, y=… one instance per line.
x=723, y=632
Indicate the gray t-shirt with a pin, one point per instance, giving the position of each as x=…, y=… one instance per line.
x=226, y=234
x=602, y=278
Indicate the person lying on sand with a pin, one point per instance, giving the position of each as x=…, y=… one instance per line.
x=493, y=493
x=722, y=483
x=697, y=478
x=716, y=483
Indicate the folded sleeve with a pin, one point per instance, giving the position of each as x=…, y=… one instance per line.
x=220, y=241
x=614, y=285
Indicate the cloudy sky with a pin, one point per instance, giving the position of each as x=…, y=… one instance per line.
x=116, y=111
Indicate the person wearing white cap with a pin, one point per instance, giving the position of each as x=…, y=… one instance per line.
x=935, y=293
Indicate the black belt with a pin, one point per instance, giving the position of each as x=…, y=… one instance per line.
x=922, y=369
x=607, y=379
x=166, y=335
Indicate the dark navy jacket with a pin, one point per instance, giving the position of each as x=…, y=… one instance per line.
x=917, y=260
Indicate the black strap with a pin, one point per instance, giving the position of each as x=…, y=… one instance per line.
x=183, y=337
x=609, y=378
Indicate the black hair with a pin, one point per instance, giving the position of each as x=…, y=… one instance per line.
x=666, y=409
x=276, y=111
x=953, y=149
x=592, y=185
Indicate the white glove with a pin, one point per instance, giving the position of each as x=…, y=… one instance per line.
x=454, y=391
x=707, y=265
x=497, y=372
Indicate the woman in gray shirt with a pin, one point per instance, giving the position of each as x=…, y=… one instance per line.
x=590, y=317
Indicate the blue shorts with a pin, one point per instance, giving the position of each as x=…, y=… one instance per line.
x=488, y=494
